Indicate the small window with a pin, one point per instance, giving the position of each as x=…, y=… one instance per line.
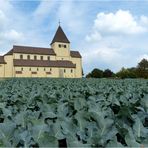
x=41, y=57
x=64, y=46
x=44, y=69
x=59, y=45
x=29, y=69
x=64, y=70
x=35, y=57
x=37, y=69
x=50, y=69
x=28, y=57
x=21, y=56
x=22, y=69
x=48, y=57
x=71, y=70
x=62, y=59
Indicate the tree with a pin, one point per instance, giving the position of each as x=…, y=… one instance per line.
x=107, y=73
x=88, y=75
x=142, y=69
x=143, y=64
x=126, y=73
x=96, y=73
x=132, y=72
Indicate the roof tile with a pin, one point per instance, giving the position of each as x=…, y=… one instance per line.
x=41, y=63
x=60, y=36
x=75, y=54
x=31, y=50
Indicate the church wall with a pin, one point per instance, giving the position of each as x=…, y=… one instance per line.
x=10, y=71
x=53, y=72
x=45, y=57
x=9, y=66
x=61, y=51
x=63, y=58
x=78, y=62
x=2, y=70
x=36, y=72
x=67, y=72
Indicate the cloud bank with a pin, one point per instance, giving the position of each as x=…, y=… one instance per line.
x=114, y=37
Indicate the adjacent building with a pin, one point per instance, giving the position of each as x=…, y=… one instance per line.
x=58, y=61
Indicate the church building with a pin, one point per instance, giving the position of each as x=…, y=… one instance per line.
x=58, y=61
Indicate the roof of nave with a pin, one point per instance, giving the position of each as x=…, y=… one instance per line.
x=38, y=50
x=60, y=36
x=42, y=63
x=75, y=54
x=2, y=61
x=31, y=50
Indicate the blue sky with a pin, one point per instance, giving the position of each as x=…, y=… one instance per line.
x=108, y=34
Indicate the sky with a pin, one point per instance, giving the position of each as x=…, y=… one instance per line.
x=109, y=34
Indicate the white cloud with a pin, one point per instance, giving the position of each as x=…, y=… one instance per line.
x=44, y=9
x=2, y=16
x=114, y=40
x=144, y=20
x=17, y=27
x=13, y=35
x=2, y=53
x=96, y=36
x=120, y=22
x=3, y=20
x=103, y=55
x=72, y=17
x=110, y=43
x=5, y=5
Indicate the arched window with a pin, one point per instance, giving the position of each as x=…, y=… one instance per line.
x=21, y=56
x=28, y=57
x=35, y=57
x=41, y=57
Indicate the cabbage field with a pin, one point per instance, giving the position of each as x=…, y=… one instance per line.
x=73, y=113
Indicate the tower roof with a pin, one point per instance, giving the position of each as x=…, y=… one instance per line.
x=60, y=36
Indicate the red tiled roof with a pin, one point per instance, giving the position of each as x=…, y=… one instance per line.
x=31, y=50
x=9, y=52
x=75, y=54
x=41, y=63
x=60, y=36
x=2, y=61
x=39, y=50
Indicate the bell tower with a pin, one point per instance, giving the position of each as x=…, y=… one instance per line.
x=60, y=44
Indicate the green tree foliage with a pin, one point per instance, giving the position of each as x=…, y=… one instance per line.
x=142, y=69
x=88, y=75
x=143, y=64
x=108, y=73
x=126, y=73
x=96, y=73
